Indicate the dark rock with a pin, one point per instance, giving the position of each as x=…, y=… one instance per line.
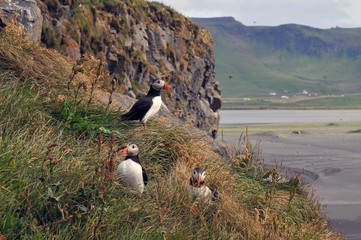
x=331, y=171
x=138, y=51
x=298, y=132
x=70, y=47
x=125, y=101
x=355, y=131
x=216, y=101
x=221, y=150
x=55, y=8
x=29, y=16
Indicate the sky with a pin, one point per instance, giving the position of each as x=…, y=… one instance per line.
x=314, y=13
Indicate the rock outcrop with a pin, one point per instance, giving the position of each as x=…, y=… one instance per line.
x=142, y=41
x=29, y=15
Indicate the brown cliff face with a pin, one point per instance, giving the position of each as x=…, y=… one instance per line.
x=141, y=41
x=27, y=13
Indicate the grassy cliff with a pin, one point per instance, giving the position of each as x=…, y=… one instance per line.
x=140, y=41
x=59, y=148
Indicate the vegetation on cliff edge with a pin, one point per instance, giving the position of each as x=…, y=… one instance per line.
x=59, y=148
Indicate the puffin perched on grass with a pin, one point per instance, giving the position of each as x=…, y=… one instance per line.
x=147, y=106
x=130, y=171
x=197, y=187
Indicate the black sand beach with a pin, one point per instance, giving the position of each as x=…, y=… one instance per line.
x=330, y=154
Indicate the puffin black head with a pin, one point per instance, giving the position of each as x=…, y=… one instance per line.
x=159, y=84
x=198, y=176
x=130, y=149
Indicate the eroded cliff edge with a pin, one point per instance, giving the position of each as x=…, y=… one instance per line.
x=141, y=41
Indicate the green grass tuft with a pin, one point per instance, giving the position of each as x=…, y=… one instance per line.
x=58, y=180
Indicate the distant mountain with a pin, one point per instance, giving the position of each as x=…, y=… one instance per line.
x=256, y=60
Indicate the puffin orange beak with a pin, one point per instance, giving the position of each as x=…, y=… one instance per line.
x=199, y=179
x=124, y=150
x=165, y=87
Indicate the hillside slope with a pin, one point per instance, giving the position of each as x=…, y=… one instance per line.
x=287, y=57
x=141, y=41
x=59, y=148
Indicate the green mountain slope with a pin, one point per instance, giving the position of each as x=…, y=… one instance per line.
x=288, y=57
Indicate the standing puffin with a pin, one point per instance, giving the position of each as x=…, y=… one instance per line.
x=147, y=106
x=197, y=187
x=130, y=170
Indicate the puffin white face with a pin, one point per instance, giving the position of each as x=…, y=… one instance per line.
x=198, y=175
x=160, y=84
x=130, y=149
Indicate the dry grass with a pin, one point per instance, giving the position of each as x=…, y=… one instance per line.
x=27, y=60
x=45, y=67
x=67, y=191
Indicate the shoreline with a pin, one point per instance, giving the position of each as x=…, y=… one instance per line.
x=330, y=151
x=290, y=108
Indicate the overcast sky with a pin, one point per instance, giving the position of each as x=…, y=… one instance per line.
x=314, y=13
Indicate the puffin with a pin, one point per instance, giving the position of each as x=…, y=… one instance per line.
x=147, y=106
x=130, y=171
x=197, y=187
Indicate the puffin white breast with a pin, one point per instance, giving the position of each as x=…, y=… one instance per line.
x=200, y=192
x=131, y=174
x=157, y=103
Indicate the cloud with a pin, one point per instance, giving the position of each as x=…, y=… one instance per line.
x=315, y=13
x=353, y=11
x=312, y=13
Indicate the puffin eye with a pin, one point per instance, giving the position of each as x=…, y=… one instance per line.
x=133, y=146
x=194, y=172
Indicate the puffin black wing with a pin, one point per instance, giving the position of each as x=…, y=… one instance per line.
x=145, y=177
x=139, y=109
x=214, y=192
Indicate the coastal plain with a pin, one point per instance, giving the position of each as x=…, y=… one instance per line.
x=330, y=154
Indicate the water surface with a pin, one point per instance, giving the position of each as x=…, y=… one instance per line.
x=288, y=116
